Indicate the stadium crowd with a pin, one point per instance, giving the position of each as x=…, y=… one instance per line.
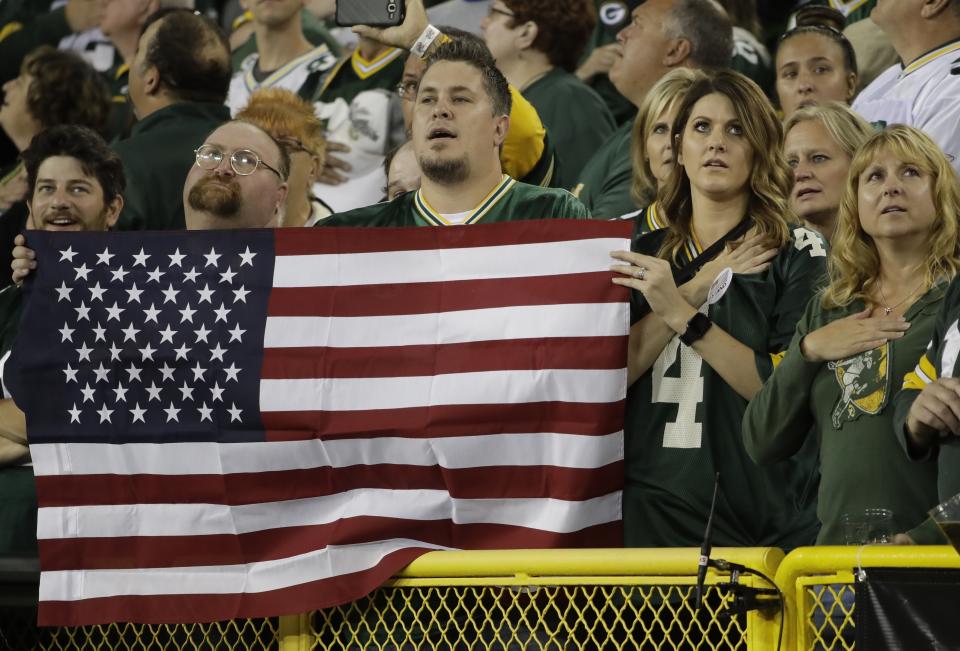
x=790, y=170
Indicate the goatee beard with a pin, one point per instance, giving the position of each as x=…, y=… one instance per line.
x=216, y=197
x=445, y=171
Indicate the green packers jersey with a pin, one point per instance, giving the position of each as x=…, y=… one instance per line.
x=940, y=360
x=683, y=421
x=354, y=74
x=845, y=406
x=604, y=185
x=647, y=220
x=575, y=116
x=752, y=59
x=509, y=201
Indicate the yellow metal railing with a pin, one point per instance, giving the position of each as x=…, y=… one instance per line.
x=817, y=584
x=549, y=599
x=546, y=599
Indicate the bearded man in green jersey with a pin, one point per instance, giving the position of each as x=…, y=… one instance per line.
x=460, y=121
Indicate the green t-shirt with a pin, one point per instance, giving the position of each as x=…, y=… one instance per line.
x=604, y=184
x=156, y=159
x=847, y=406
x=683, y=421
x=939, y=360
x=574, y=115
x=509, y=201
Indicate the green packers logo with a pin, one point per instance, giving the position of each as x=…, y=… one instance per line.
x=863, y=381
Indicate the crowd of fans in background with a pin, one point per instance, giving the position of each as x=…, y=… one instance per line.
x=808, y=150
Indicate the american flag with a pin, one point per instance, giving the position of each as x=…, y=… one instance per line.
x=253, y=423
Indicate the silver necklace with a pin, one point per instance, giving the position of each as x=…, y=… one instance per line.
x=887, y=310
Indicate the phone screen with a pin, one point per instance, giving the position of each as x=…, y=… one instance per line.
x=377, y=13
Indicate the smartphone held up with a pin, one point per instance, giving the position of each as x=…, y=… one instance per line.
x=376, y=13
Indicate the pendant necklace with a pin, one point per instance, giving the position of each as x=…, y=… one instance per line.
x=888, y=310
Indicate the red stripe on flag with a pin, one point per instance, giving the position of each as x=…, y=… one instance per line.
x=495, y=482
x=305, y=241
x=133, y=552
x=421, y=361
x=589, y=419
x=450, y=296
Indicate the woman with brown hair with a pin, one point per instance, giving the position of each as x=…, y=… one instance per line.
x=895, y=252
x=703, y=350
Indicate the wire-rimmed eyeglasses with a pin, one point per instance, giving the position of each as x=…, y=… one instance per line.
x=243, y=161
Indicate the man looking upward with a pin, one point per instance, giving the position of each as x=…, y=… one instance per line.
x=460, y=120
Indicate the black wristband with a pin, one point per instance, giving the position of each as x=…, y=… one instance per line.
x=697, y=326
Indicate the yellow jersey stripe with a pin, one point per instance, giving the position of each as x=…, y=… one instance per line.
x=365, y=69
x=936, y=54
x=921, y=376
x=847, y=8
x=8, y=29
x=493, y=197
x=776, y=358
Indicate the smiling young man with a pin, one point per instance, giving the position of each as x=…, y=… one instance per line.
x=460, y=121
x=75, y=183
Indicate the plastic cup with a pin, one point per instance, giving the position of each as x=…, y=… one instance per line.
x=867, y=527
x=947, y=516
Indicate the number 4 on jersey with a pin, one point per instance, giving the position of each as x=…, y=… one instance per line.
x=804, y=238
x=686, y=391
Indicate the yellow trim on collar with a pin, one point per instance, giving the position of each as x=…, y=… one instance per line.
x=9, y=29
x=431, y=216
x=847, y=8
x=121, y=71
x=364, y=69
x=932, y=56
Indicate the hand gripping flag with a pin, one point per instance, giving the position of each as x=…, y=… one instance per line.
x=253, y=423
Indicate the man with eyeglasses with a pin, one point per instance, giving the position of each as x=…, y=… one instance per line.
x=239, y=180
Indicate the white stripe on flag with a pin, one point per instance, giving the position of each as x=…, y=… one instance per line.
x=491, y=324
x=559, y=516
x=482, y=388
x=429, y=266
x=546, y=449
x=72, y=585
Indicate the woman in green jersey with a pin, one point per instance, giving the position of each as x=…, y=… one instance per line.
x=704, y=349
x=895, y=251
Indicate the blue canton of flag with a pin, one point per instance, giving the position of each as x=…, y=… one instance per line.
x=160, y=335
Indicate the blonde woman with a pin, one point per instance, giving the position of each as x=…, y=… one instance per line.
x=292, y=123
x=895, y=252
x=650, y=145
x=704, y=349
x=819, y=145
